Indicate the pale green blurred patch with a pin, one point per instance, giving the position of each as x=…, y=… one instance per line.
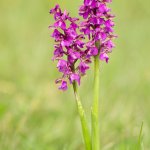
x=34, y=115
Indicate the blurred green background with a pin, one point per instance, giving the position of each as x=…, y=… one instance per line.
x=35, y=115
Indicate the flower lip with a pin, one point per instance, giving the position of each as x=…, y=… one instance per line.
x=104, y=56
x=62, y=66
x=83, y=67
x=54, y=10
x=63, y=86
x=75, y=77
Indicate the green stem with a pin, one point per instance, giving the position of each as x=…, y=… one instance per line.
x=85, y=130
x=95, y=107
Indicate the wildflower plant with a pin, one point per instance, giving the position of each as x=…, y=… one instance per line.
x=74, y=53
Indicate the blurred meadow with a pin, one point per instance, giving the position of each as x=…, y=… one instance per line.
x=35, y=115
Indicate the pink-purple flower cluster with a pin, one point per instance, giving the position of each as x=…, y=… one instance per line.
x=98, y=25
x=69, y=48
x=71, y=51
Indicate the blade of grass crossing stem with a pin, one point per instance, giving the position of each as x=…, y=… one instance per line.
x=95, y=107
x=85, y=129
x=140, y=138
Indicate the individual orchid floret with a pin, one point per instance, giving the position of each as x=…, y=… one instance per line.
x=63, y=86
